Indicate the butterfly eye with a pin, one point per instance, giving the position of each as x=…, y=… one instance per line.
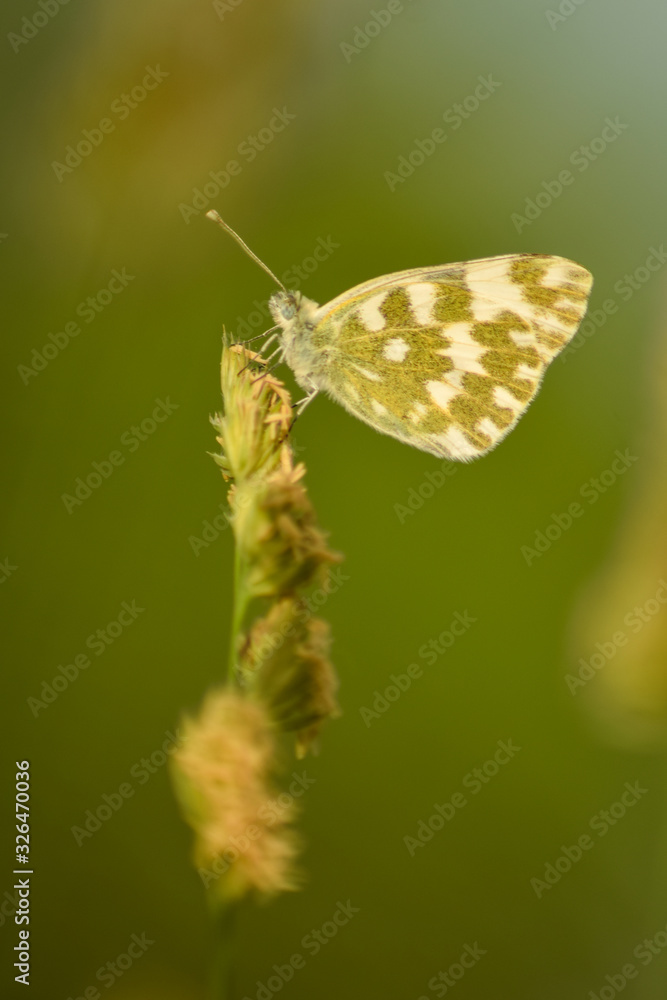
x=288, y=309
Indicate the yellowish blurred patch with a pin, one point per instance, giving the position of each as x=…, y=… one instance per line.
x=619, y=635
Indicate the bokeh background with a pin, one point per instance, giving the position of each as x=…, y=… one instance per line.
x=559, y=73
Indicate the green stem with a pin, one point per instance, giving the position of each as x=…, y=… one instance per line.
x=222, y=973
x=239, y=608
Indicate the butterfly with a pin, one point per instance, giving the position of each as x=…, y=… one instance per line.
x=445, y=358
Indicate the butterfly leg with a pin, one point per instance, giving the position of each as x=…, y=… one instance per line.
x=271, y=339
x=258, y=359
x=257, y=336
x=301, y=404
x=279, y=350
x=299, y=407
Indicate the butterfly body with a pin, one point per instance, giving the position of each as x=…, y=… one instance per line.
x=444, y=358
x=298, y=317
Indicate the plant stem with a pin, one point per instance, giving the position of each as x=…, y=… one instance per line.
x=222, y=972
x=239, y=607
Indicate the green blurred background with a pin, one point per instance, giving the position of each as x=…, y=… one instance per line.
x=227, y=68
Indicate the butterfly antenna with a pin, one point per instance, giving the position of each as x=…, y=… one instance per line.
x=244, y=246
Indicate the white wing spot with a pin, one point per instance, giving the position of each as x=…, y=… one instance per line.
x=564, y=304
x=502, y=397
x=525, y=371
x=456, y=444
x=441, y=393
x=455, y=378
x=418, y=412
x=396, y=349
x=487, y=426
x=522, y=339
x=378, y=407
x=465, y=358
x=557, y=275
x=464, y=351
x=370, y=314
x=458, y=332
x=422, y=299
x=493, y=291
x=373, y=376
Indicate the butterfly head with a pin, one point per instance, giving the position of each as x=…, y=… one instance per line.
x=284, y=306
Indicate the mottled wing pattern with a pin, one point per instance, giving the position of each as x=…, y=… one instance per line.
x=448, y=358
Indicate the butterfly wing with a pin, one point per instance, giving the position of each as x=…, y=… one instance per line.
x=448, y=358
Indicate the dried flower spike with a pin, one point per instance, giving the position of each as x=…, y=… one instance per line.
x=225, y=772
x=280, y=680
